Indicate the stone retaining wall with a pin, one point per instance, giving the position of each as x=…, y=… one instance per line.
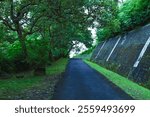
x=128, y=54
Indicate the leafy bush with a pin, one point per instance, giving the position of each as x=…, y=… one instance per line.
x=10, y=56
x=37, y=52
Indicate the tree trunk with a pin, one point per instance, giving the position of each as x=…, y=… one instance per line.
x=22, y=42
x=23, y=46
x=21, y=38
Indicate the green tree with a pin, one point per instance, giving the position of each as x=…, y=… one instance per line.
x=21, y=17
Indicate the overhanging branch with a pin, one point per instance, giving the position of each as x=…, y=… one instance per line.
x=7, y=24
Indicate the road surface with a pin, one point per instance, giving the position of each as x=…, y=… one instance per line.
x=81, y=82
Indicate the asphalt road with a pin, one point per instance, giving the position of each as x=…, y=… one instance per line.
x=81, y=82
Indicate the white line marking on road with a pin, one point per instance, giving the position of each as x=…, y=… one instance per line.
x=142, y=53
x=113, y=48
x=100, y=50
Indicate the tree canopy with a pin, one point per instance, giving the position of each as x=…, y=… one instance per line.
x=36, y=32
x=126, y=17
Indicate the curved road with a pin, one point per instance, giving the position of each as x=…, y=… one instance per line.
x=81, y=82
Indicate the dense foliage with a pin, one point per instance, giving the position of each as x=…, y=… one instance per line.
x=131, y=14
x=35, y=33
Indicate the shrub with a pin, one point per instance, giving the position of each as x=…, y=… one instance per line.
x=37, y=52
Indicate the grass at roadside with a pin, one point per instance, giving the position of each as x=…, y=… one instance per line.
x=134, y=90
x=57, y=67
x=14, y=86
